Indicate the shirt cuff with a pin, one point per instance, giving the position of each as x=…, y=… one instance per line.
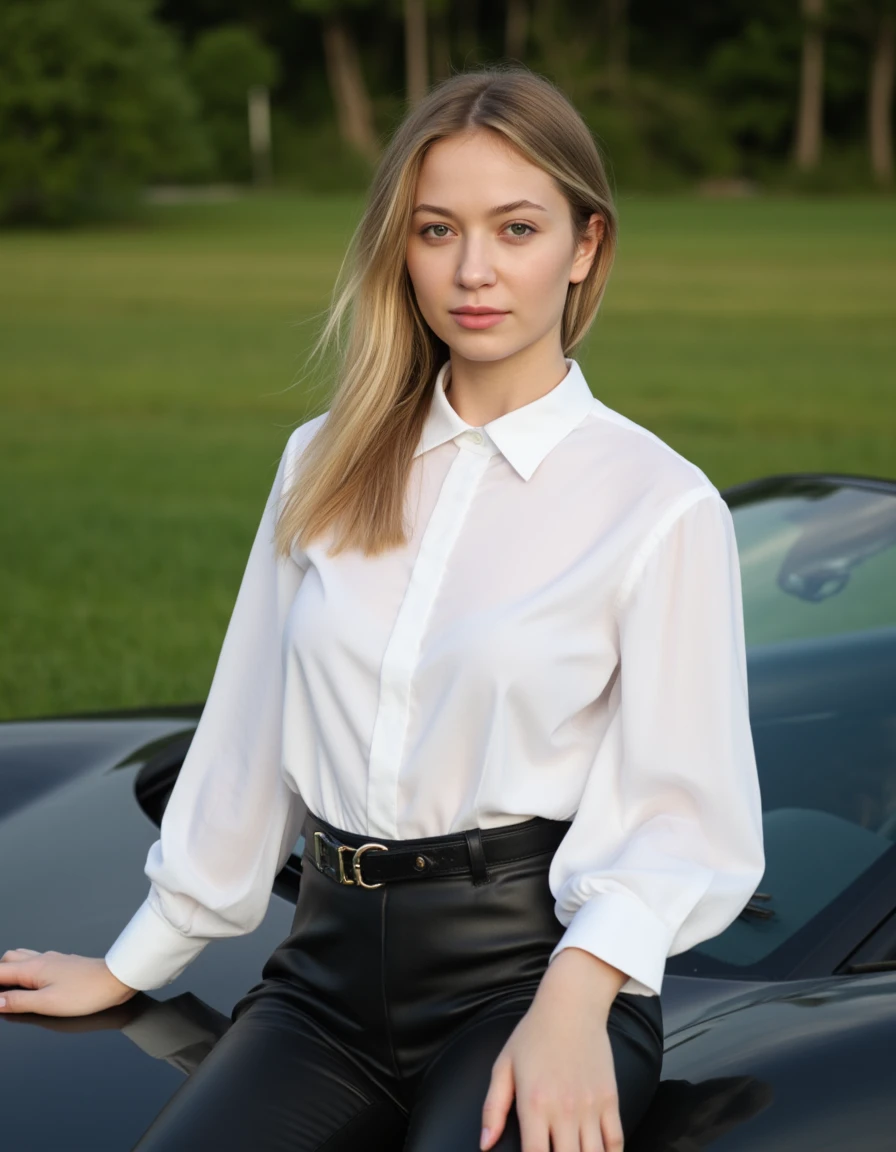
x=149, y=953
x=623, y=932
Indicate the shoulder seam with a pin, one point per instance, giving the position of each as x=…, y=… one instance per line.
x=297, y=442
x=307, y=426
x=601, y=411
x=661, y=529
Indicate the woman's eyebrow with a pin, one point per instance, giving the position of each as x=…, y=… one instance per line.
x=497, y=211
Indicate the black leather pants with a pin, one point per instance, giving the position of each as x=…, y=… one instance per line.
x=378, y=1019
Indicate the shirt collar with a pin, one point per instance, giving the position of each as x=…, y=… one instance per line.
x=524, y=436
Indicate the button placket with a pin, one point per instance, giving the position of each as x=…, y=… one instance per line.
x=402, y=651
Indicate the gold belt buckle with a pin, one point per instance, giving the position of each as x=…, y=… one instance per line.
x=344, y=877
x=356, y=864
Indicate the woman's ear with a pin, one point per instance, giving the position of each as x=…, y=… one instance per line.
x=586, y=248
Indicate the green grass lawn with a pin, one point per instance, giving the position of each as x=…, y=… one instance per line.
x=148, y=383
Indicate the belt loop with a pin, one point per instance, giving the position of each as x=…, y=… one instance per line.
x=473, y=837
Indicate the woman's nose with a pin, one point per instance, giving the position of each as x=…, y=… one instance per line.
x=475, y=268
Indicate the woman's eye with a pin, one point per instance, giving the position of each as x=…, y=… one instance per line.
x=519, y=224
x=439, y=236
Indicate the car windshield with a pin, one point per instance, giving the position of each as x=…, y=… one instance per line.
x=818, y=569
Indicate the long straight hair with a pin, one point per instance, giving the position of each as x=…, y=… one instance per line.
x=352, y=477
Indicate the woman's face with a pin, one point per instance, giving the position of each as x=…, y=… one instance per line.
x=490, y=229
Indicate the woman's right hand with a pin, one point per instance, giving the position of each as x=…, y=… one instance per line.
x=58, y=984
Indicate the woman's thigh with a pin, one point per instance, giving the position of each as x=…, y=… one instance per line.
x=447, y=1111
x=275, y=1083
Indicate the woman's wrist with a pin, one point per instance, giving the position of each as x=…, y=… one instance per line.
x=126, y=990
x=583, y=978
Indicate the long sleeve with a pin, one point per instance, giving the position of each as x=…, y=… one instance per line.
x=666, y=846
x=231, y=820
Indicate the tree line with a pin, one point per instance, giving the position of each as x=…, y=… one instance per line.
x=99, y=97
x=587, y=49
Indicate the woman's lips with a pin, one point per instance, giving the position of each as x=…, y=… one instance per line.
x=478, y=320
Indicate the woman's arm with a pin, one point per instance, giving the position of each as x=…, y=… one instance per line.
x=666, y=846
x=231, y=819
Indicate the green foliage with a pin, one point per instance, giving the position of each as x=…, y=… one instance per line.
x=332, y=7
x=656, y=136
x=92, y=105
x=95, y=99
x=225, y=63
x=754, y=81
x=314, y=158
x=842, y=169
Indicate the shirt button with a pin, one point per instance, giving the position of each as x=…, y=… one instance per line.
x=474, y=437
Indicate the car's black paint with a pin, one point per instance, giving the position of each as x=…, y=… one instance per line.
x=806, y=1065
x=71, y=874
x=795, y=1053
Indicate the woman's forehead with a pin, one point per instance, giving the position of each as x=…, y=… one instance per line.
x=480, y=170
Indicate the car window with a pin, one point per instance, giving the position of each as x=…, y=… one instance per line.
x=818, y=565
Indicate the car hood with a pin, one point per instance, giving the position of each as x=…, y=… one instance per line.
x=803, y=1066
x=73, y=845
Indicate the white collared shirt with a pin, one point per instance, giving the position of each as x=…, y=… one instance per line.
x=562, y=636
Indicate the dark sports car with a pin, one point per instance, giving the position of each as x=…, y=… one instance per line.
x=780, y=1032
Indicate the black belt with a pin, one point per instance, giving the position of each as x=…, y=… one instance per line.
x=469, y=853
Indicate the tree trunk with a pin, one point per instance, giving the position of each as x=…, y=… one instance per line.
x=880, y=99
x=441, y=45
x=259, y=109
x=807, y=146
x=466, y=13
x=516, y=29
x=415, y=52
x=617, y=43
x=354, y=111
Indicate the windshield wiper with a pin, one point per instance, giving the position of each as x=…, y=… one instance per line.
x=756, y=910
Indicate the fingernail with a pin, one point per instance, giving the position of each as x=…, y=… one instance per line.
x=2, y=1001
x=483, y=1139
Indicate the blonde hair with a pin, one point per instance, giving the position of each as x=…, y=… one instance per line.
x=352, y=477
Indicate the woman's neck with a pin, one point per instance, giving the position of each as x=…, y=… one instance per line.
x=480, y=391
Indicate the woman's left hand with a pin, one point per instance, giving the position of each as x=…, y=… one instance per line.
x=559, y=1064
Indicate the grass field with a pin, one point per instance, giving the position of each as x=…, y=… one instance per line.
x=146, y=392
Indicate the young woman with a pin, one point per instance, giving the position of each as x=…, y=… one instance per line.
x=488, y=656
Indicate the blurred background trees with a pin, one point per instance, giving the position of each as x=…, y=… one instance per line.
x=94, y=101
x=100, y=97
x=224, y=64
